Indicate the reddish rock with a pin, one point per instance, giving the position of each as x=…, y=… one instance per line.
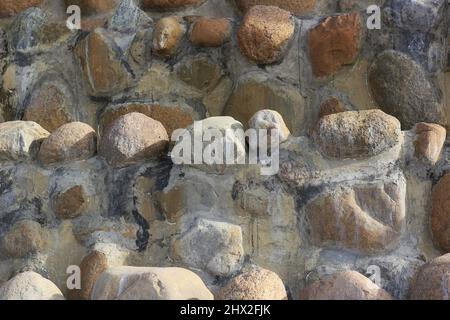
x=297, y=7
x=12, y=7
x=133, y=138
x=91, y=23
x=169, y=4
x=69, y=203
x=210, y=32
x=331, y=106
x=347, y=285
x=265, y=33
x=92, y=266
x=440, y=216
x=49, y=107
x=335, y=42
x=433, y=280
x=172, y=118
x=71, y=142
x=429, y=142
x=167, y=35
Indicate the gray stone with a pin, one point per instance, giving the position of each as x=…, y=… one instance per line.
x=30, y=286
x=401, y=88
x=418, y=15
x=26, y=28
x=129, y=17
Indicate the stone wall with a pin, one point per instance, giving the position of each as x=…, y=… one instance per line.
x=87, y=119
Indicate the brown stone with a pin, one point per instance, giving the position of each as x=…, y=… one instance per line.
x=169, y=4
x=297, y=7
x=254, y=284
x=71, y=142
x=429, y=141
x=172, y=118
x=12, y=7
x=334, y=43
x=48, y=107
x=331, y=106
x=440, y=216
x=24, y=238
x=432, y=282
x=91, y=23
x=92, y=266
x=133, y=138
x=210, y=32
x=265, y=33
x=357, y=134
x=172, y=203
x=167, y=35
x=367, y=218
x=100, y=60
x=69, y=203
x=201, y=73
x=93, y=6
x=347, y=285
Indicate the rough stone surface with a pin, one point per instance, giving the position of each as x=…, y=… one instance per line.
x=133, y=138
x=364, y=218
x=440, y=217
x=93, y=6
x=69, y=203
x=433, y=280
x=213, y=246
x=20, y=140
x=24, y=238
x=167, y=35
x=334, y=43
x=297, y=7
x=265, y=33
x=357, y=134
x=429, y=142
x=210, y=32
x=254, y=284
x=132, y=283
x=348, y=285
x=12, y=7
x=401, y=88
x=30, y=286
x=169, y=4
x=92, y=266
x=71, y=142
x=270, y=120
x=331, y=106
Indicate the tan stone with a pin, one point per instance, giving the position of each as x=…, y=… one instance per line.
x=92, y=266
x=201, y=73
x=30, y=286
x=71, y=142
x=357, y=134
x=366, y=218
x=171, y=117
x=331, y=106
x=172, y=203
x=334, y=43
x=12, y=7
x=210, y=32
x=69, y=203
x=254, y=284
x=440, y=216
x=48, y=107
x=265, y=33
x=167, y=35
x=133, y=283
x=297, y=7
x=429, y=142
x=24, y=238
x=347, y=285
x=432, y=282
x=101, y=64
x=133, y=138
x=169, y=4
x=270, y=120
x=93, y=6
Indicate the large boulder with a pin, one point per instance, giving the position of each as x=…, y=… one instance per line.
x=254, y=284
x=401, y=88
x=20, y=140
x=213, y=246
x=347, y=285
x=440, y=216
x=357, y=134
x=133, y=138
x=30, y=286
x=71, y=142
x=134, y=283
x=265, y=33
x=433, y=280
